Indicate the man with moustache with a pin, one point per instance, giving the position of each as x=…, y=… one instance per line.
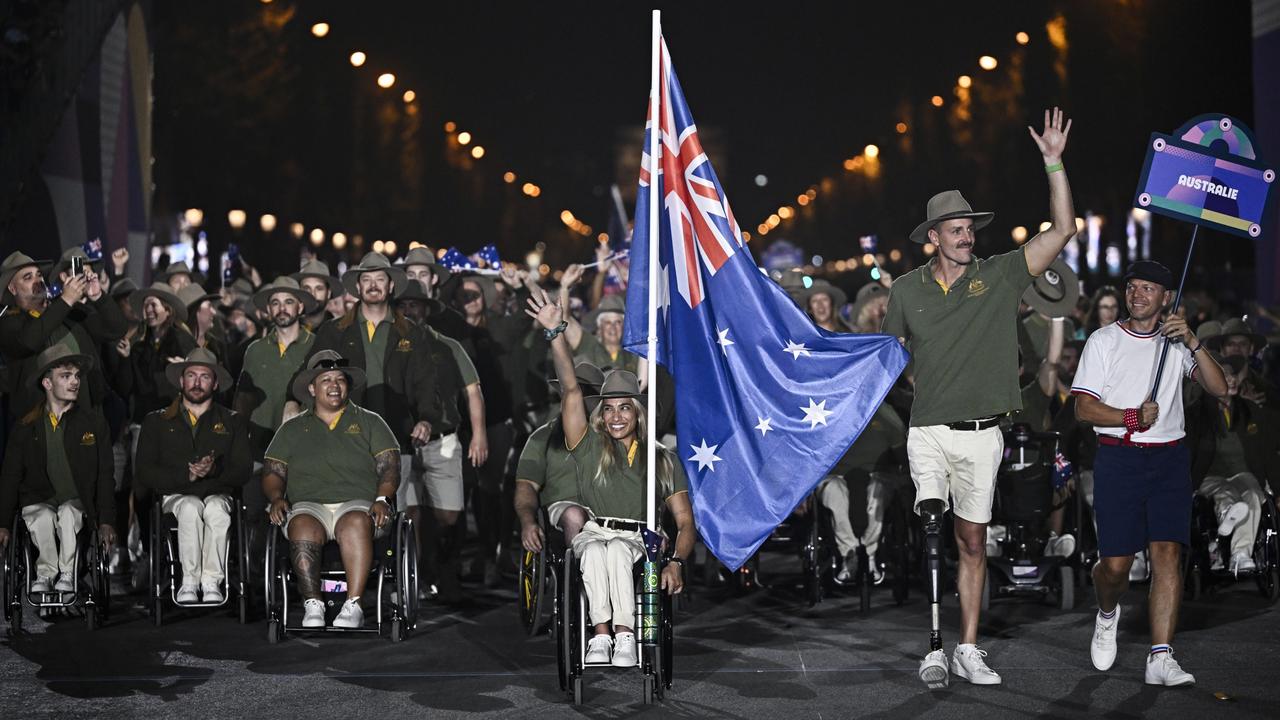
x=958, y=316
x=195, y=455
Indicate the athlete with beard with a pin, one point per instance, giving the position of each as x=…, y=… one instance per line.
x=958, y=316
x=195, y=455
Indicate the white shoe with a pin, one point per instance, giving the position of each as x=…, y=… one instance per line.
x=1233, y=516
x=1242, y=562
x=187, y=594
x=313, y=614
x=598, y=650
x=967, y=663
x=848, y=568
x=351, y=615
x=1103, y=649
x=1162, y=669
x=933, y=670
x=211, y=592
x=877, y=574
x=65, y=584
x=1060, y=546
x=42, y=585
x=624, y=650
x=1138, y=571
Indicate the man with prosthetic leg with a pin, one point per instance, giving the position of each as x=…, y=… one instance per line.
x=958, y=315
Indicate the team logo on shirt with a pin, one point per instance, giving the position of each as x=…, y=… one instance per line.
x=88, y=439
x=353, y=429
x=219, y=429
x=976, y=288
x=1252, y=429
x=404, y=346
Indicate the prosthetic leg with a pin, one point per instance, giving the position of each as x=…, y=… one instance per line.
x=933, y=670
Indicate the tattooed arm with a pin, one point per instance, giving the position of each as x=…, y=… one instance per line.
x=275, y=474
x=387, y=466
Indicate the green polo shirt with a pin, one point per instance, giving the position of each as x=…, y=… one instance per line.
x=56, y=463
x=621, y=494
x=591, y=350
x=332, y=465
x=375, y=349
x=466, y=368
x=267, y=373
x=964, y=340
x=549, y=466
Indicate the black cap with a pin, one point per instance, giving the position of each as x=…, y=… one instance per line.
x=1152, y=271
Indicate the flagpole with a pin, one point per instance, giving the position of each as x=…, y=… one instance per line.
x=651, y=400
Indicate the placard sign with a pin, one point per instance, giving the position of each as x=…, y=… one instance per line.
x=1208, y=174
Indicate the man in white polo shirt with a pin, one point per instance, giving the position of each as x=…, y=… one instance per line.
x=1142, y=474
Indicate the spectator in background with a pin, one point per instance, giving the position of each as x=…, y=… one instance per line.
x=1103, y=310
x=823, y=301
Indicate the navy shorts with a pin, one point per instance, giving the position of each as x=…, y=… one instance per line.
x=1141, y=495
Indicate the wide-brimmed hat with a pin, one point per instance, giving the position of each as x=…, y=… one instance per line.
x=177, y=268
x=162, y=292
x=374, y=262
x=287, y=285
x=318, y=269
x=793, y=282
x=948, y=205
x=15, y=262
x=323, y=362
x=615, y=303
x=422, y=256
x=64, y=262
x=192, y=295
x=619, y=384
x=838, y=297
x=59, y=354
x=589, y=377
x=199, y=356
x=488, y=288
x=1235, y=326
x=123, y=288
x=415, y=293
x=1208, y=330
x=1055, y=292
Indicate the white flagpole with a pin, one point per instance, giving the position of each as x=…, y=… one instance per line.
x=651, y=400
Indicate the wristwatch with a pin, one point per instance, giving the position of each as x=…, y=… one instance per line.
x=552, y=333
x=386, y=501
x=677, y=560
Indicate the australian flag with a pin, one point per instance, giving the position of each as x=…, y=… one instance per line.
x=455, y=260
x=766, y=402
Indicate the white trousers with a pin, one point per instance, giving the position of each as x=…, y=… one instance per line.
x=833, y=493
x=606, y=557
x=202, y=536
x=1227, y=491
x=53, y=532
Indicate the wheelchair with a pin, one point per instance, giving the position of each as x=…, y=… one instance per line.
x=1198, y=572
x=546, y=586
x=166, y=567
x=393, y=581
x=92, y=592
x=1023, y=500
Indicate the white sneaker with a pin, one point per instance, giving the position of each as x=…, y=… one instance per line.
x=1233, y=516
x=624, y=650
x=967, y=663
x=598, y=650
x=351, y=615
x=848, y=568
x=1060, y=546
x=933, y=670
x=1138, y=571
x=42, y=585
x=211, y=592
x=313, y=614
x=187, y=594
x=1103, y=649
x=877, y=574
x=1162, y=669
x=65, y=584
x=1242, y=562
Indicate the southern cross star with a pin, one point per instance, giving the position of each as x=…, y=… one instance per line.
x=817, y=414
x=724, y=341
x=705, y=456
x=766, y=424
x=796, y=349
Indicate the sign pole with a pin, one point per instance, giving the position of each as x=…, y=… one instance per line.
x=1177, y=301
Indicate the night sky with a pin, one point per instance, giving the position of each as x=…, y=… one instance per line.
x=253, y=112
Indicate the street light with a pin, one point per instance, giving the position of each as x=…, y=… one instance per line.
x=936, y=100
x=901, y=128
x=464, y=137
x=296, y=230
x=386, y=80
x=320, y=29
x=339, y=240
x=871, y=151
x=236, y=219
x=477, y=152
x=379, y=246
x=508, y=177
x=964, y=81
x=317, y=236
x=986, y=62
x=358, y=58
x=268, y=222
x=389, y=247
x=409, y=96
x=193, y=216
x=1022, y=38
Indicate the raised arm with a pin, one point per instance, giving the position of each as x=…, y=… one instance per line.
x=573, y=413
x=1045, y=246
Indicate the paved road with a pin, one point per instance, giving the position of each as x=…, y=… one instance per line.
x=759, y=655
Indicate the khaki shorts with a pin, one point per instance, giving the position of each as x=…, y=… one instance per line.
x=957, y=467
x=328, y=513
x=441, y=463
x=556, y=510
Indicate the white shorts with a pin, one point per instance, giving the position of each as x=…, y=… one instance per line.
x=326, y=513
x=957, y=467
x=409, y=493
x=556, y=510
x=441, y=464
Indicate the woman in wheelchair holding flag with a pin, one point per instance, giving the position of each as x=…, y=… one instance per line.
x=609, y=447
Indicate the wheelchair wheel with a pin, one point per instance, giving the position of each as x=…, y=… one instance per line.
x=652, y=675
x=14, y=582
x=243, y=586
x=1067, y=587
x=567, y=630
x=530, y=589
x=811, y=561
x=275, y=632
x=98, y=609
x=667, y=644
